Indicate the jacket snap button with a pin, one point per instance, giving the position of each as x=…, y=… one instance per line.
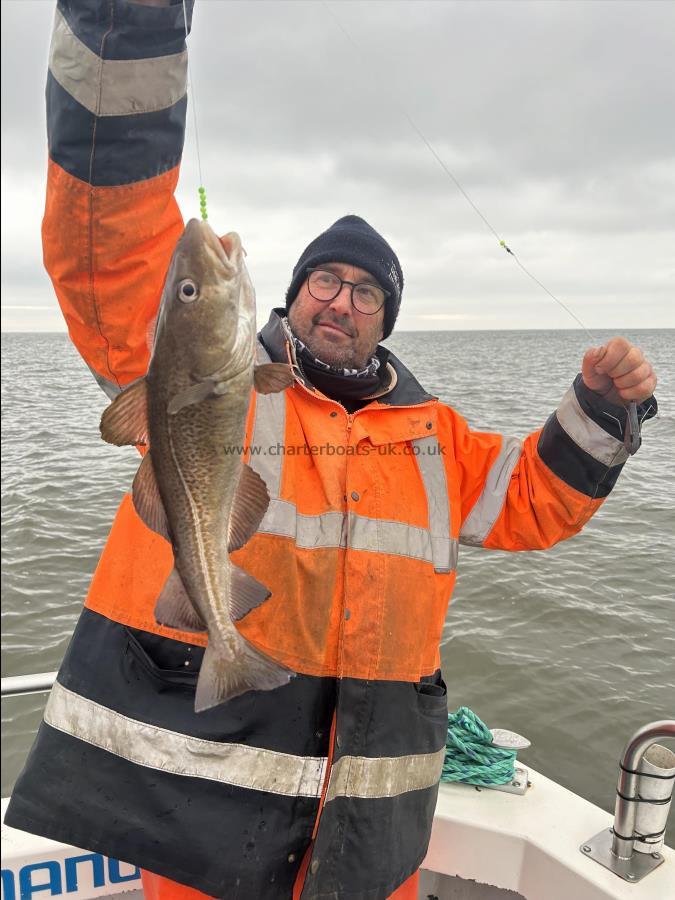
x=333, y=414
x=347, y=614
x=355, y=496
x=314, y=868
x=291, y=857
x=429, y=425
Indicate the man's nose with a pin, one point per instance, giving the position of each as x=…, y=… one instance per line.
x=343, y=302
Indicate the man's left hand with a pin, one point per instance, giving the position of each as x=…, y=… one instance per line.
x=619, y=372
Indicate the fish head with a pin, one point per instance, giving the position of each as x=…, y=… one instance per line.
x=208, y=297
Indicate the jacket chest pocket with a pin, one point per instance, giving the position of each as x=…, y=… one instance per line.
x=163, y=660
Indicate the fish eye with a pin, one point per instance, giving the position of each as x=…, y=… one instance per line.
x=188, y=291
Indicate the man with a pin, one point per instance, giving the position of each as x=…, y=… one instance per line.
x=325, y=787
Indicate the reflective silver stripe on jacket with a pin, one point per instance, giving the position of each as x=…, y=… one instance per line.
x=308, y=532
x=430, y=462
x=114, y=87
x=181, y=754
x=587, y=434
x=336, y=529
x=269, y=429
x=478, y=524
x=240, y=765
x=388, y=776
x=401, y=539
x=333, y=529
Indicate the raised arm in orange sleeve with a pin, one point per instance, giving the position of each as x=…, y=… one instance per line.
x=116, y=103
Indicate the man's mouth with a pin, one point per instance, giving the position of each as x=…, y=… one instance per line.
x=333, y=326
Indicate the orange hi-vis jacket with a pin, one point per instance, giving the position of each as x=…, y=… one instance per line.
x=358, y=547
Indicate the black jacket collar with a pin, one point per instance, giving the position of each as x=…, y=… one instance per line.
x=406, y=392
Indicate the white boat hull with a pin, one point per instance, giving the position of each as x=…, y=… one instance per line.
x=485, y=845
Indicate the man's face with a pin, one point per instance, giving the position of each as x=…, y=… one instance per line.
x=334, y=331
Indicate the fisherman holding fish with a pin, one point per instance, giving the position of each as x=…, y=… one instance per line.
x=251, y=705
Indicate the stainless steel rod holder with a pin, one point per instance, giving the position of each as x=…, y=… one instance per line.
x=613, y=848
x=625, y=811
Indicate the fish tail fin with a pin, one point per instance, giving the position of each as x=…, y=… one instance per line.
x=222, y=678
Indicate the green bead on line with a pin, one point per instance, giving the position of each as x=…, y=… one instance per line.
x=202, y=202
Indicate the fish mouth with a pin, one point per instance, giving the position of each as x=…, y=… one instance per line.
x=227, y=250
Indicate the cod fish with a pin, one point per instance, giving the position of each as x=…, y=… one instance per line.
x=190, y=407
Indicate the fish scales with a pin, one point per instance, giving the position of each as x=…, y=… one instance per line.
x=193, y=404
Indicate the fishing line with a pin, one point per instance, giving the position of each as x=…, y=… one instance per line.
x=418, y=131
x=191, y=87
x=632, y=433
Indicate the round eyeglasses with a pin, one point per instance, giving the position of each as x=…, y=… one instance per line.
x=367, y=298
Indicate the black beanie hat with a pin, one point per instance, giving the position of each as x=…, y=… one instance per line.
x=353, y=241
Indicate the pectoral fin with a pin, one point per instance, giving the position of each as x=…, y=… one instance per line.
x=270, y=378
x=191, y=395
x=246, y=593
x=125, y=421
x=147, y=500
x=174, y=609
x=250, y=504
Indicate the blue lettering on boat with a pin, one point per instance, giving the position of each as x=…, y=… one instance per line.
x=49, y=876
x=29, y=886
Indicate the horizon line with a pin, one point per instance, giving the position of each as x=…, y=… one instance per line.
x=434, y=330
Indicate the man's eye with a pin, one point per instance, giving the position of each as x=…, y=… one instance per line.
x=366, y=292
x=326, y=278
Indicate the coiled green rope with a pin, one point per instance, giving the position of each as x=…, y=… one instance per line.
x=470, y=755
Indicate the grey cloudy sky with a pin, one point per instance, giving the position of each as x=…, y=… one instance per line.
x=556, y=117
